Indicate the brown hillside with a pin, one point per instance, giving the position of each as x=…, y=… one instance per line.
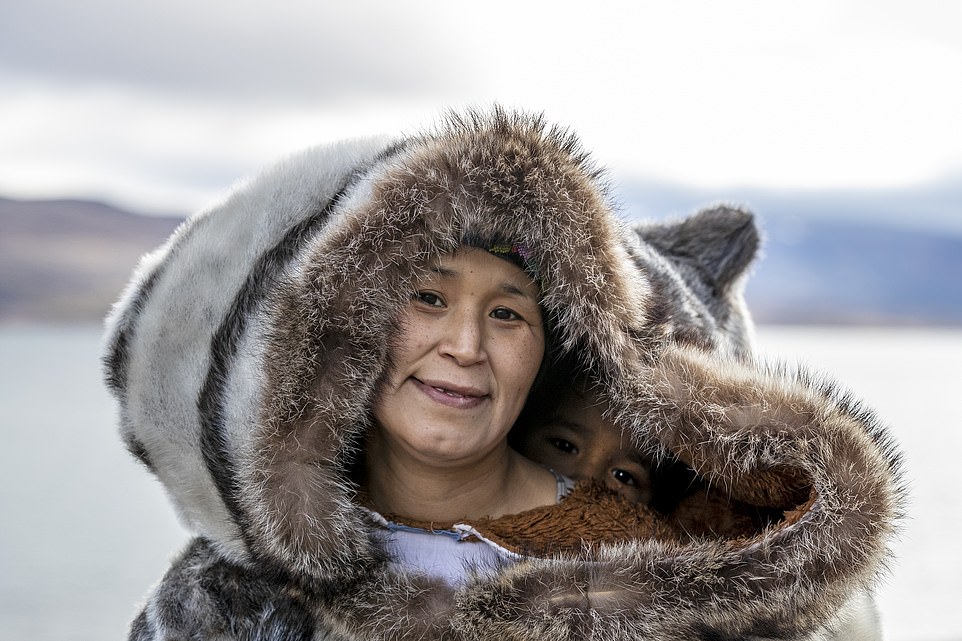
x=66, y=261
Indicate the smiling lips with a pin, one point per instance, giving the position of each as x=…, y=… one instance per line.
x=451, y=395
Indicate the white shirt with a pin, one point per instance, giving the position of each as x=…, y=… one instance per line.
x=451, y=555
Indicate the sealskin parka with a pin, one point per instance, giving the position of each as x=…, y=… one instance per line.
x=246, y=353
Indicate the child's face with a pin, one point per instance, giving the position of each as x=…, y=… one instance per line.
x=577, y=441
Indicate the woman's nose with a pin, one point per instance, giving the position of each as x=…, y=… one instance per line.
x=463, y=340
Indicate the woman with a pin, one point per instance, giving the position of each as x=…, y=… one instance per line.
x=330, y=361
x=467, y=352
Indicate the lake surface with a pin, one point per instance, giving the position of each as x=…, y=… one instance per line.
x=86, y=531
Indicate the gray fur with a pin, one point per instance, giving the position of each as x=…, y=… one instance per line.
x=698, y=268
x=246, y=352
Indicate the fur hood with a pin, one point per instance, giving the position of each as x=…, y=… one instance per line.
x=247, y=350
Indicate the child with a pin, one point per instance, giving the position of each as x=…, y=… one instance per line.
x=576, y=440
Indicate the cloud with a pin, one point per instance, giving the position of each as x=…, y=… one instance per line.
x=255, y=51
x=165, y=104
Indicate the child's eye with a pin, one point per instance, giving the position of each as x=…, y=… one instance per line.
x=503, y=313
x=624, y=477
x=565, y=446
x=429, y=298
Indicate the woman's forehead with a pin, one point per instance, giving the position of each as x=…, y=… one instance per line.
x=471, y=263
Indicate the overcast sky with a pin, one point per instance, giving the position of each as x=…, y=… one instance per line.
x=161, y=106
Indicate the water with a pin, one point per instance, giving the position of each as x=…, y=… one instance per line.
x=86, y=531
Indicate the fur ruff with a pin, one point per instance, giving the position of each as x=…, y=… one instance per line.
x=247, y=350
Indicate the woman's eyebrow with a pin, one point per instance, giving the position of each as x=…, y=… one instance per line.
x=444, y=272
x=514, y=290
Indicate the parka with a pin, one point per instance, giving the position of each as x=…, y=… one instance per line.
x=246, y=352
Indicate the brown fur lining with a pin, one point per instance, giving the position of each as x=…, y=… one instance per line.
x=592, y=514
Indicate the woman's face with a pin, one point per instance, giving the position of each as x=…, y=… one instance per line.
x=470, y=345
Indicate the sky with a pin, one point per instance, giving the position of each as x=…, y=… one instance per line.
x=161, y=107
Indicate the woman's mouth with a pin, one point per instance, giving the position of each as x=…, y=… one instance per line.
x=450, y=395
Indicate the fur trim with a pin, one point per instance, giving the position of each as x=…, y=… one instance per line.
x=246, y=353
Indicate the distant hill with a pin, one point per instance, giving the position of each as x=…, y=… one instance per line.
x=66, y=261
x=818, y=271
x=881, y=256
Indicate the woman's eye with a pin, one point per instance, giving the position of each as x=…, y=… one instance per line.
x=623, y=477
x=429, y=298
x=565, y=446
x=503, y=313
